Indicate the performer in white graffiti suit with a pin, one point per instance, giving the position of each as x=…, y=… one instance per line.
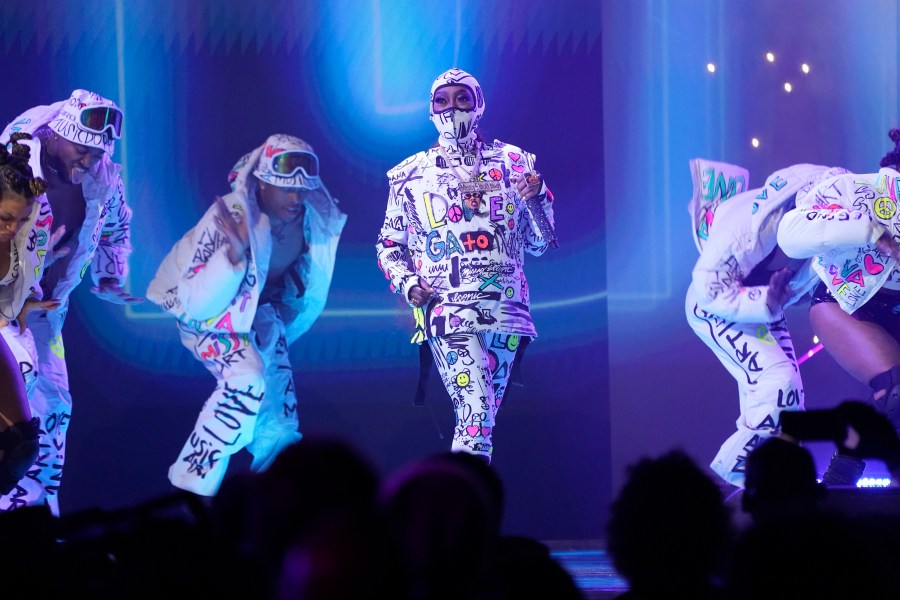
x=24, y=240
x=244, y=283
x=460, y=217
x=91, y=223
x=740, y=286
x=849, y=224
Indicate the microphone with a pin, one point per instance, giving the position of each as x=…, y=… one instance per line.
x=533, y=179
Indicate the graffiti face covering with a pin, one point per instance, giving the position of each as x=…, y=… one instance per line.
x=456, y=106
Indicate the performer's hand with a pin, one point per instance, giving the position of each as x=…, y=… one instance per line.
x=887, y=245
x=421, y=293
x=54, y=253
x=528, y=185
x=110, y=291
x=779, y=290
x=35, y=304
x=237, y=233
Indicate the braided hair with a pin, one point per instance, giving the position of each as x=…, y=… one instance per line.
x=892, y=158
x=15, y=173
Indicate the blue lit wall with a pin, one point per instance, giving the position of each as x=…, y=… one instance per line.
x=203, y=82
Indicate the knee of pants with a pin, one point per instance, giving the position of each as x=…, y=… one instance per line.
x=252, y=383
x=780, y=390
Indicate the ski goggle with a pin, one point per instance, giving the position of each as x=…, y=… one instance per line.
x=98, y=119
x=287, y=164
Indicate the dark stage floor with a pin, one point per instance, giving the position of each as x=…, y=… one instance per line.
x=591, y=567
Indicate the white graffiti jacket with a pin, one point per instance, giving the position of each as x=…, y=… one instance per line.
x=198, y=284
x=470, y=250
x=29, y=248
x=104, y=240
x=838, y=222
x=742, y=233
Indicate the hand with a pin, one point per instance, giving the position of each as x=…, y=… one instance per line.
x=110, y=291
x=887, y=245
x=779, y=290
x=528, y=185
x=870, y=433
x=35, y=304
x=54, y=253
x=237, y=234
x=421, y=293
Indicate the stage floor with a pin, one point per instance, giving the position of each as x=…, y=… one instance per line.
x=590, y=566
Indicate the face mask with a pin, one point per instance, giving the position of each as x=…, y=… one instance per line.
x=456, y=127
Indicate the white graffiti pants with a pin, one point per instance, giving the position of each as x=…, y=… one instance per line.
x=474, y=368
x=760, y=357
x=254, y=405
x=47, y=385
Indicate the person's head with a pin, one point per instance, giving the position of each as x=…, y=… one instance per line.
x=892, y=158
x=456, y=106
x=288, y=169
x=780, y=480
x=668, y=526
x=84, y=129
x=18, y=186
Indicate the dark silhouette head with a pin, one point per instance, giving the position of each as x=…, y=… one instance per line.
x=669, y=528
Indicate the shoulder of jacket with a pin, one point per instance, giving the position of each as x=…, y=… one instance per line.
x=501, y=146
x=403, y=168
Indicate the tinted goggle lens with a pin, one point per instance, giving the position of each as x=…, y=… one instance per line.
x=100, y=118
x=288, y=163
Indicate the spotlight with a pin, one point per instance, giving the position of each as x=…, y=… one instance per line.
x=770, y=57
x=711, y=67
x=805, y=68
x=788, y=87
x=754, y=142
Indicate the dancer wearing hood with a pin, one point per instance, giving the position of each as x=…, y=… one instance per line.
x=249, y=279
x=460, y=217
x=74, y=140
x=24, y=239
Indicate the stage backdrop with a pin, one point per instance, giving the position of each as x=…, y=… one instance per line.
x=205, y=81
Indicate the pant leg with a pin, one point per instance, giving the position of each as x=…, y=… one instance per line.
x=226, y=422
x=475, y=370
x=278, y=421
x=24, y=351
x=51, y=402
x=761, y=359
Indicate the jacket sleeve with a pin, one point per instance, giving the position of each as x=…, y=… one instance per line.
x=114, y=246
x=392, y=247
x=196, y=280
x=814, y=231
x=717, y=277
x=535, y=243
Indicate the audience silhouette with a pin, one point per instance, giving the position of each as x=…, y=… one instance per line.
x=319, y=524
x=323, y=524
x=669, y=530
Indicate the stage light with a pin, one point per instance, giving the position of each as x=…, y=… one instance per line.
x=874, y=482
x=805, y=68
x=810, y=353
x=770, y=57
x=711, y=67
x=788, y=87
x=754, y=142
